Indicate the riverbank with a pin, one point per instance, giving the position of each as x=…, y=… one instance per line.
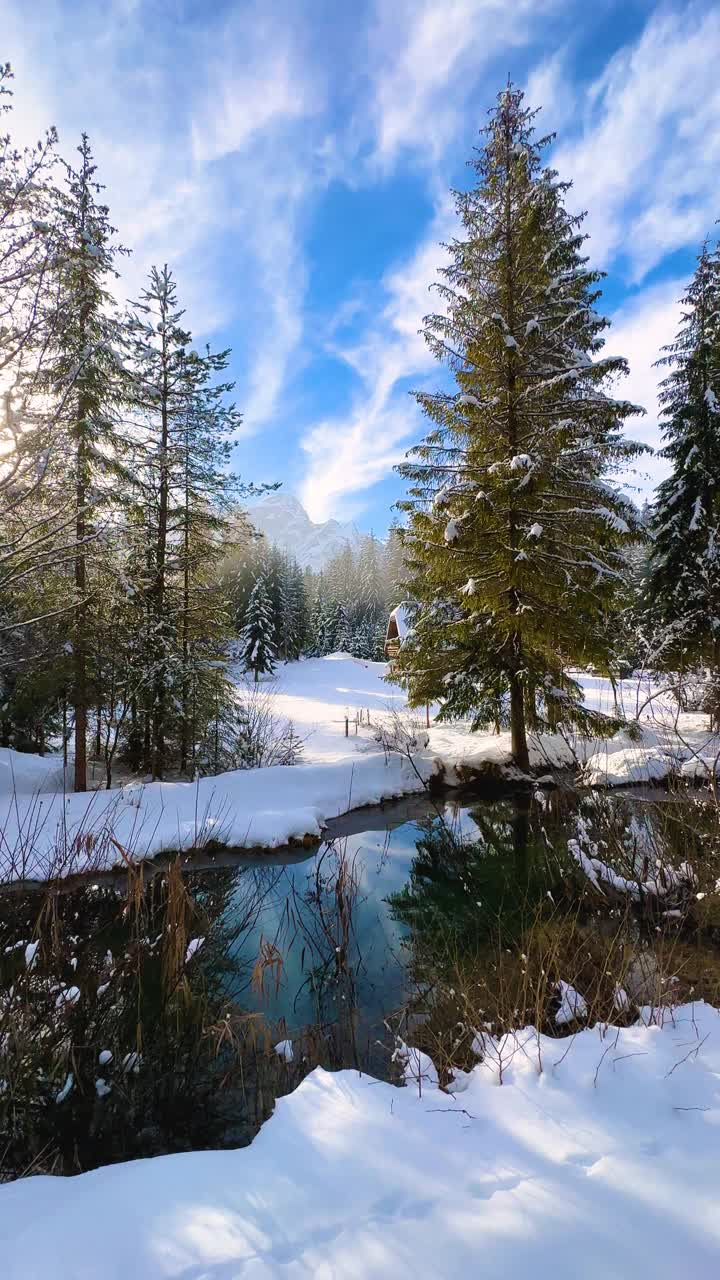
x=360, y=747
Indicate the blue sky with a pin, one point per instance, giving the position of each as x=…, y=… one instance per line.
x=291, y=161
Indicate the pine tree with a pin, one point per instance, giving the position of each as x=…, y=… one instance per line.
x=515, y=538
x=84, y=379
x=28, y=314
x=682, y=591
x=394, y=570
x=203, y=523
x=317, y=640
x=257, y=646
x=293, y=611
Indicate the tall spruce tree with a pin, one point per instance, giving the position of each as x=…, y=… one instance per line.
x=202, y=522
x=682, y=590
x=186, y=423
x=515, y=538
x=159, y=349
x=84, y=378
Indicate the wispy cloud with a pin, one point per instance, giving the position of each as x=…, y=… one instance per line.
x=348, y=454
x=210, y=180
x=426, y=58
x=640, y=329
x=646, y=162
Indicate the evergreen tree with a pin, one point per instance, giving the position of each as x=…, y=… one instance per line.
x=84, y=379
x=202, y=522
x=335, y=626
x=682, y=592
x=158, y=352
x=515, y=538
x=185, y=424
x=257, y=640
x=28, y=313
x=294, y=610
x=394, y=570
x=318, y=639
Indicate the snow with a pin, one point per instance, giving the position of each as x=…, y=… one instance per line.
x=521, y=462
x=573, y=1006
x=284, y=1050
x=400, y=616
x=45, y=832
x=66, y=1089
x=193, y=947
x=24, y=774
x=596, y=1157
x=67, y=996
x=285, y=523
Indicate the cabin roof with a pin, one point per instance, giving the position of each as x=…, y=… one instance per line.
x=400, y=617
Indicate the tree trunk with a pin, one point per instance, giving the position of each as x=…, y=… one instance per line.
x=186, y=612
x=158, y=762
x=518, y=734
x=64, y=737
x=518, y=731
x=80, y=690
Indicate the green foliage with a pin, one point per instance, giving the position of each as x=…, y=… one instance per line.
x=515, y=541
x=682, y=593
x=257, y=646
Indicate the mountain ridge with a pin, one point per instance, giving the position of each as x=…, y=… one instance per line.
x=285, y=523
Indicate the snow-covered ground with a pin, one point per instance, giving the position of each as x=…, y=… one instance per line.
x=596, y=1157
x=44, y=831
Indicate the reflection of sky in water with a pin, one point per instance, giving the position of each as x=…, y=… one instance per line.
x=383, y=862
x=382, y=865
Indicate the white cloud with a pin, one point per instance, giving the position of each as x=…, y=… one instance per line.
x=210, y=180
x=427, y=57
x=551, y=89
x=641, y=327
x=348, y=454
x=646, y=162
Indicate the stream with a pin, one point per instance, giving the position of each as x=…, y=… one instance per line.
x=140, y=1013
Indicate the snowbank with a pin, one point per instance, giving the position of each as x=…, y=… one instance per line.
x=678, y=746
x=44, y=832
x=24, y=774
x=602, y=1165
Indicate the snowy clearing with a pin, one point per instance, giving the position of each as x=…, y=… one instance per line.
x=44, y=832
x=602, y=1164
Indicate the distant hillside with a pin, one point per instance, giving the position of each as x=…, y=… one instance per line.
x=287, y=525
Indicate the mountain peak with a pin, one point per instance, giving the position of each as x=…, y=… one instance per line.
x=285, y=522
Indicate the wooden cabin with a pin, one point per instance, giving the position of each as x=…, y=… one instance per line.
x=397, y=630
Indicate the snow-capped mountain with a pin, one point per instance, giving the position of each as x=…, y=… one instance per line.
x=286, y=524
